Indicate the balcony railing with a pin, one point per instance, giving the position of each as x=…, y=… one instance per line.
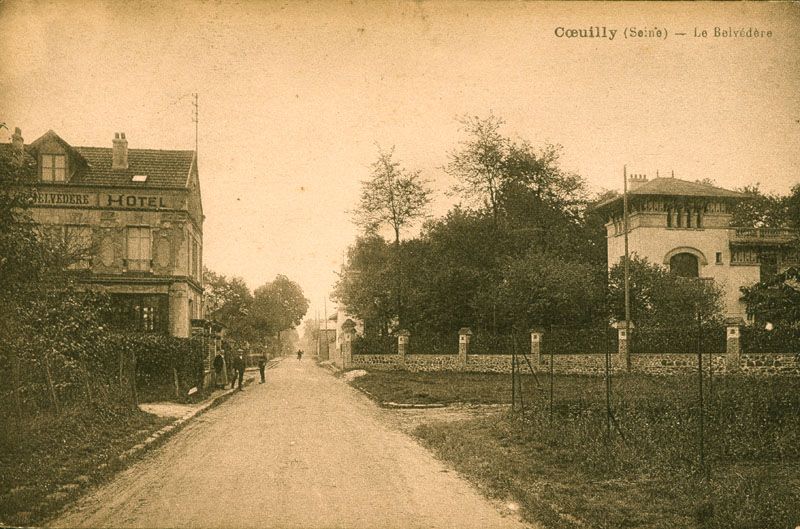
x=763, y=235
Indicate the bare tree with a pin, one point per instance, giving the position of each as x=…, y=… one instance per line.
x=393, y=197
x=479, y=162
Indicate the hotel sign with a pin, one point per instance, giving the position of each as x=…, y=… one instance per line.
x=66, y=199
x=118, y=200
x=103, y=200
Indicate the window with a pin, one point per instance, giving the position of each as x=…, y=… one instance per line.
x=719, y=257
x=54, y=167
x=684, y=265
x=138, y=248
x=140, y=312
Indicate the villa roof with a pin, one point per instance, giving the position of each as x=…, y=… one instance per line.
x=677, y=188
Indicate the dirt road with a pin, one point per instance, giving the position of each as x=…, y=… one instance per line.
x=303, y=450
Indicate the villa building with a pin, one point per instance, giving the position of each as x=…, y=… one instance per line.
x=686, y=227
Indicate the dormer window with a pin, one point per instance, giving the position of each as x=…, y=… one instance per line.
x=54, y=167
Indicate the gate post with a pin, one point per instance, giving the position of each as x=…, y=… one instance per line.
x=733, y=343
x=402, y=346
x=536, y=345
x=464, y=336
x=623, y=347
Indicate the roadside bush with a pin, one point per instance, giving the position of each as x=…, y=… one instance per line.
x=160, y=360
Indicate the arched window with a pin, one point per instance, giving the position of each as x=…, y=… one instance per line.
x=684, y=265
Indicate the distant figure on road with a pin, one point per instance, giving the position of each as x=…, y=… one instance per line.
x=299, y=354
x=238, y=365
x=219, y=371
x=262, y=363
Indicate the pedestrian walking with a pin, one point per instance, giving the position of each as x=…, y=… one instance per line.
x=262, y=364
x=299, y=354
x=219, y=370
x=238, y=365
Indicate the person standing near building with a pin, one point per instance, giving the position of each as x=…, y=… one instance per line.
x=262, y=364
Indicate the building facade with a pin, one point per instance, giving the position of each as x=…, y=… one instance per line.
x=134, y=218
x=686, y=227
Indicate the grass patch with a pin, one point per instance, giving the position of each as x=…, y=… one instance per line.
x=564, y=470
x=432, y=388
x=46, y=461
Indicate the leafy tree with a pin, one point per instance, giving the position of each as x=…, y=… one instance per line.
x=660, y=298
x=393, y=197
x=23, y=260
x=278, y=306
x=454, y=259
x=776, y=300
x=494, y=170
x=540, y=289
x=230, y=302
x=761, y=210
x=793, y=208
x=366, y=286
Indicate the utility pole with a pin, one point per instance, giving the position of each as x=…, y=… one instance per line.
x=627, y=267
x=327, y=344
x=316, y=329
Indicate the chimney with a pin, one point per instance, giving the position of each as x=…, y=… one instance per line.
x=636, y=180
x=17, y=143
x=119, y=158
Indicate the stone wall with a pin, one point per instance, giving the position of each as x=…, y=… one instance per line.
x=423, y=362
x=583, y=364
x=771, y=364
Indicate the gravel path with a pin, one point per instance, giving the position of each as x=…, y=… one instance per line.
x=303, y=450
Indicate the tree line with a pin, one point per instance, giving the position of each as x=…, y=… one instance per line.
x=257, y=319
x=523, y=246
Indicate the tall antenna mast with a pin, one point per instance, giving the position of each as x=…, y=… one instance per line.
x=195, y=119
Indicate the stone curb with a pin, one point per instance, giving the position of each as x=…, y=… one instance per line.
x=175, y=425
x=178, y=423
x=401, y=405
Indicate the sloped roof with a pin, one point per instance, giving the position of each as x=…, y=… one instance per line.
x=677, y=188
x=163, y=168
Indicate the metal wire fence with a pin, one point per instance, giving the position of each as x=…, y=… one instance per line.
x=375, y=345
x=565, y=339
x=679, y=340
x=771, y=339
x=433, y=344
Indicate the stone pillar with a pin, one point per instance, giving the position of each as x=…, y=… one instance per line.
x=402, y=346
x=733, y=345
x=623, y=358
x=464, y=336
x=348, y=333
x=536, y=345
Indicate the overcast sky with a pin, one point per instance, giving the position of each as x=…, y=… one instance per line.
x=294, y=98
